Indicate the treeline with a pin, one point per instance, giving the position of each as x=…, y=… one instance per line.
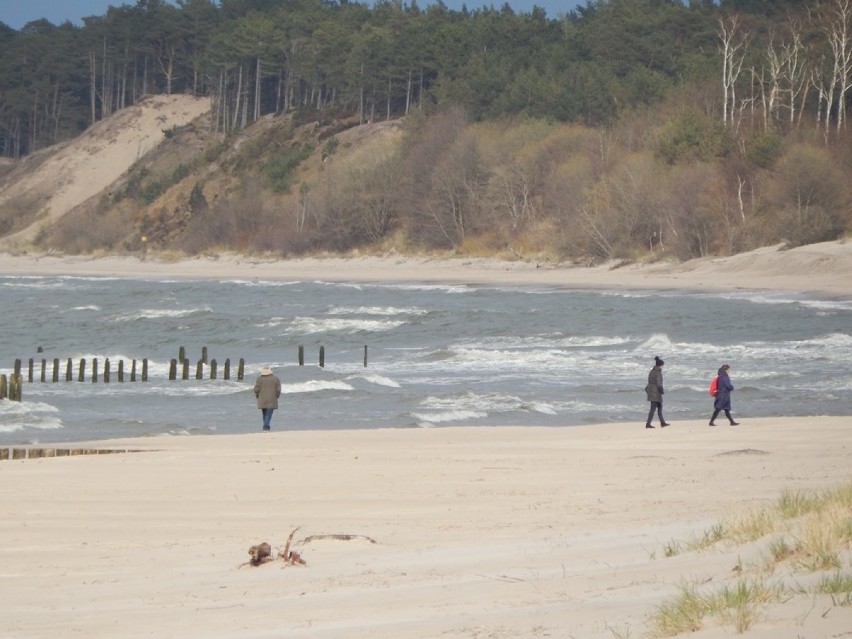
x=624, y=127
x=255, y=57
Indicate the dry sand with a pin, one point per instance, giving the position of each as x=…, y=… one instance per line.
x=479, y=532
x=453, y=532
x=823, y=270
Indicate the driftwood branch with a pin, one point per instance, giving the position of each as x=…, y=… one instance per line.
x=262, y=553
x=291, y=556
x=308, y=540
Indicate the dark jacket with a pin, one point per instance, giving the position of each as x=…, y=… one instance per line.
x=267, y=389
x=723, y=391
x=654, y=389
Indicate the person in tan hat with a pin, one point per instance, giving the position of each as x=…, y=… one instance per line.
x=267, y=390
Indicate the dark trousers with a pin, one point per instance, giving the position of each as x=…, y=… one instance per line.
x=727, y=414
x=267, y=417
x=658, y=408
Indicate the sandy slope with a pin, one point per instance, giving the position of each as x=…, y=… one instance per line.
x=87, y=165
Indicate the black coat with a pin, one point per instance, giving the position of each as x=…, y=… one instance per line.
x=723, y=391
x=654, y=389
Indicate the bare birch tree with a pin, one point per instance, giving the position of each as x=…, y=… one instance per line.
x=834, y=19
x=734, y=45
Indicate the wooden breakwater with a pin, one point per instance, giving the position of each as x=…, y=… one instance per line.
x=11, y=453
x=137, y=370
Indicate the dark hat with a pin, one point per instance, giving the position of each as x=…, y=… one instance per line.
x=725, y=366
x=658, y=361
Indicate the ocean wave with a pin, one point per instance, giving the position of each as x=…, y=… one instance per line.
x=376, y=310
x=313, y=325
x=19, y=416
x=379, y=380
x=425, y=419
x=657, y=344
x=160, y=313
x=314, y=386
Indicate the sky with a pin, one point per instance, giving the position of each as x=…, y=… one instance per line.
x=16, y=13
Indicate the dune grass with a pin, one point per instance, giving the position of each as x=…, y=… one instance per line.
x=805, y=533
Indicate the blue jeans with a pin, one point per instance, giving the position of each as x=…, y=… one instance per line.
x=267, y=416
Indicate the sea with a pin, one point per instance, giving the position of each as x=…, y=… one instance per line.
x=405, y=355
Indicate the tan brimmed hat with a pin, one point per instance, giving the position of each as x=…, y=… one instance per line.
x=265, y=371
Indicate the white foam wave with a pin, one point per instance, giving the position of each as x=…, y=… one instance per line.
x=379, y=380
x=658, y=343
x=263, y=283
x=376, y=310
x=18, y=416
x=445, y=288
x=160, y=313
x=425, y=419
x=314, y=386
x=310, y=325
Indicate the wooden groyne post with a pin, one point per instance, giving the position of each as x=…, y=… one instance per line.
x=11, y=388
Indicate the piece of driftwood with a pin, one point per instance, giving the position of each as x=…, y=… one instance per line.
x=260, y=554
x=291, y=556
x=308, y=540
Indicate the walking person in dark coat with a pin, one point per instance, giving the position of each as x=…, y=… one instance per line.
x=267, y=389
x=722, y=402
x=655, y=391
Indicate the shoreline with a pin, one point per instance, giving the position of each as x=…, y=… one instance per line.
x=821, y=270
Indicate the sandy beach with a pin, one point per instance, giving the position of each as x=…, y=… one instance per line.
x=410, y=533
x=456, y=532
x=823, y=270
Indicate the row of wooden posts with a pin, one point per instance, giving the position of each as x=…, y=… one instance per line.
x=12, y=388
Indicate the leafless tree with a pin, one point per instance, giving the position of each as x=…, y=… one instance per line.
x=834, y=19
x=734, y=44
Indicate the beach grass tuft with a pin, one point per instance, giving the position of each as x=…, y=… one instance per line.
x=806, y=532
x=839, y=586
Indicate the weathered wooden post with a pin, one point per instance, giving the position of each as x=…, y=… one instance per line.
x=212, y=369
x=186, y=369
x=365, y=356
x=133, y=370
x=16, y=383
x=204, y=354
x=17, y=367
x=43, y=370
x=4, y=389
x=81, y=377
x=301, y=355
x=181, y=354
x=121, y=370
x=199, y=369
x=69, y=370
x=227, y=371
x=145, y=369
x=106, y=371
x=172, y=370
x=322, y=357
x=94, y=370
x=30, y=376
x=241, y=370
x=55, y=369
